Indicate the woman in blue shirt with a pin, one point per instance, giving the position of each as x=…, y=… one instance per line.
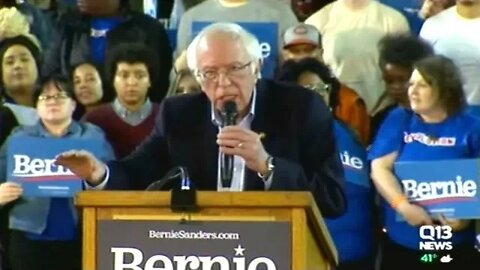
x=437, y=104
x=43, y=231
x=353, y=232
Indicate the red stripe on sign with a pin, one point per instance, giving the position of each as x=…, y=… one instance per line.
x=49, y=178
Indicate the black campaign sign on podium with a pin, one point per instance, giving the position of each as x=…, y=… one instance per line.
x=215, y=245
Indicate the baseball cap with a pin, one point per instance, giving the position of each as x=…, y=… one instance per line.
x=301, y=34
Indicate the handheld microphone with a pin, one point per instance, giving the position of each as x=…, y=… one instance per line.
x=229, y=115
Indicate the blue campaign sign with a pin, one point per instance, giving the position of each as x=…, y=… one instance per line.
x=30, y=162
x=353, y=157
x=267, y=35
x=447, y=187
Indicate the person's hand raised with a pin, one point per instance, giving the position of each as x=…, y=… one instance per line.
x=9, y=191
x=83, y=164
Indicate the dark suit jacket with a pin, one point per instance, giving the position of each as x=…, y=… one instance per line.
x=299, y=134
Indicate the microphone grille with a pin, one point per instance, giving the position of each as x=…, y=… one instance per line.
x=230, y=107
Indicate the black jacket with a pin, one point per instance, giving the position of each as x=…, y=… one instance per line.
x=7, y=123
x=71, y=45
x=298, y=131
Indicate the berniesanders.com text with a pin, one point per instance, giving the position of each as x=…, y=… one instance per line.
x=198, y=235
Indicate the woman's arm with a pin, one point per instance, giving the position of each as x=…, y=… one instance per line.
x=388, y=186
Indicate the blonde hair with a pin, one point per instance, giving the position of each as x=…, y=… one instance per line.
x=173, y=88
x=13, y=23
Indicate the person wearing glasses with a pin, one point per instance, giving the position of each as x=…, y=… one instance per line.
x=43, y=231
x=283, y=139
x=130, y=118
x=303, y=41
x=345, y=104
x=352, y=233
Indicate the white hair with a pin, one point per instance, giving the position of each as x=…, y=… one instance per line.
x=249, y=41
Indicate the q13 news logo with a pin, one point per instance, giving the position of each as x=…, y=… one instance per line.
x=435, y=238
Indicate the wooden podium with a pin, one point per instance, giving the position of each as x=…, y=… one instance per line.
x=311, y=245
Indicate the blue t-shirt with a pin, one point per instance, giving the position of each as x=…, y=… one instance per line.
x=352, y=233
x=61, y=223
x=474, y=110
x=98, y=36
x=415, y=140
x=409, y=9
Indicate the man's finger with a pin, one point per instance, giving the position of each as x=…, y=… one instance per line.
x=234, y=151
x=14, y=194
x=66, y=154
x=12, y=185
x=237, y=130
x=229, y=142
x=73, y=156
x=229, y=135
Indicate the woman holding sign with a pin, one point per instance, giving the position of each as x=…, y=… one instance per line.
x=43, y=227
x=435, y=128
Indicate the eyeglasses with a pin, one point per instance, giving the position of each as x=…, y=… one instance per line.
x=231, y=71
x=54, y=97
x=320, y=88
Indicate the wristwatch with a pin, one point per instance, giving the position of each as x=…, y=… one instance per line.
x=270, y=167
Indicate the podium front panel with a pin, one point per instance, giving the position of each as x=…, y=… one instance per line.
x=285, y=227
x=215, y=245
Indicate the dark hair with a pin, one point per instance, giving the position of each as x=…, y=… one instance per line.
x=131, y=53
x=100, y=72
x=291, y=71
x=440, y=73
x=8, y=3
x=106, y=95
x=18, y=40
x=403, y=50
x=61, y=83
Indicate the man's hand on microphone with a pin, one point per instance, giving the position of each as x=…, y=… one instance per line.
x=238, y=141
x=84, y=165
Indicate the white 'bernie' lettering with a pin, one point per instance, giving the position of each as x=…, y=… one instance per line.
x=351, y=161
x=24, y=166
x=439, y=189
x=184, y=262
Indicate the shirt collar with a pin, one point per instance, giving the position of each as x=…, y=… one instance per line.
x=217, y=119
x=73, y=128
x=124, y=113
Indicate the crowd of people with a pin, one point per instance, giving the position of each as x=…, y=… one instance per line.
x=316, y=83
